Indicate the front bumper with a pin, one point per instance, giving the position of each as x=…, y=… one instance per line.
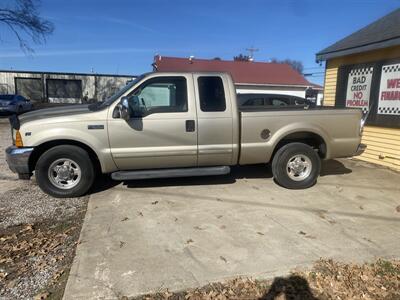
x=18, y=159
x=360, y=149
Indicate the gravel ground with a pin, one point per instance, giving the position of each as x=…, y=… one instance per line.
x=38, y=234
x=5, y=141
x=27, y=204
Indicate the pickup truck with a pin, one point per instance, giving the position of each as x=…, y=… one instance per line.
x=176, y=125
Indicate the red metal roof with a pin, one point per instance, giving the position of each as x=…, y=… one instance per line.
x=242, y=72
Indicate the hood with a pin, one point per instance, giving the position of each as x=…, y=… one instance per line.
x=54, y=112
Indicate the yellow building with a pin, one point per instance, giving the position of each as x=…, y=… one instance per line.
x=363, y=71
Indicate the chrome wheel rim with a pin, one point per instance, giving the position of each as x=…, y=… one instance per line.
x=64, y=173
x=299, y=167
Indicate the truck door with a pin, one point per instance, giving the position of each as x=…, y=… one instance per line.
x=165, y=136
x=215, y=122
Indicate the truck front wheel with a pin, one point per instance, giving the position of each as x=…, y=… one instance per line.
x=65, y=171
x=296, y=166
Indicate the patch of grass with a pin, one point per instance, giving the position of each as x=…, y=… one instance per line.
x=385, y=267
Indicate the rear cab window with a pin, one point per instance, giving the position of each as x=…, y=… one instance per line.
x=211, y=93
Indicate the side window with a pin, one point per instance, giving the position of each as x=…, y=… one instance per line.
x=254, y=102
x=161, y=94
x=298, y=101
x=279, y=101
x=212, y=94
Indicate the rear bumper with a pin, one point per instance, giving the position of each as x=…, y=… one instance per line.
x=360, y=149
x=18, y=159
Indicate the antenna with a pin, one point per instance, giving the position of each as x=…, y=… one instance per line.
x=251, y=51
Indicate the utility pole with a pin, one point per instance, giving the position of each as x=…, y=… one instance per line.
x=251, y=51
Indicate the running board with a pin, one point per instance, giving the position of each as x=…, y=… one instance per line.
x=170, y=173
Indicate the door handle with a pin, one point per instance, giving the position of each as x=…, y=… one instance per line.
x=190, y=126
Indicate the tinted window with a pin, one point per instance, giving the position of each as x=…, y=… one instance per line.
x=211, y=92
x=254, y=102
x=161, y=94
x=6, y=97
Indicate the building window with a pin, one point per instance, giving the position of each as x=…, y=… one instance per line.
x=30, y=88
x=373, y=87
x=64, y=90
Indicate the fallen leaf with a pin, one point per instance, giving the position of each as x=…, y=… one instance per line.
x=260, y=233
x=154, y=203
x=41, y=296
x=223, y=258
x=125, y=219
x=302, y=233
x=121, y=244
x=27, y=227
x=398, y=209
x=189, y=241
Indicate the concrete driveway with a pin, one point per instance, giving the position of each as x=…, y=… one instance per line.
x=146, y=236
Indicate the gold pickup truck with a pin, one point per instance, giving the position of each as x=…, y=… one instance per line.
x=176, y=125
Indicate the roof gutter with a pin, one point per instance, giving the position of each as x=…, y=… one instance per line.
x=321, y=56
x=279, y=85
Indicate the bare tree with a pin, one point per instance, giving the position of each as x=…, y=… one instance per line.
x=295, y=64
x=242, y=57
x=22, y=18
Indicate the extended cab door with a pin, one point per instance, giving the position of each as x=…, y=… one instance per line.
x=216, y=127
x=166, y=135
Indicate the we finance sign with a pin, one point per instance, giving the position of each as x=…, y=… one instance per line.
x=389, y=91
x=359, y=88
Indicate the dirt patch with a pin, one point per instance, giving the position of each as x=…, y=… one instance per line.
x=327, y=280
x=38, y=238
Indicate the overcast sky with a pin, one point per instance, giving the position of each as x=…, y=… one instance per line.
x=122, y=36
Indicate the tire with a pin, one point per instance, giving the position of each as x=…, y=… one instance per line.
x=74, y=168
x=296, y=166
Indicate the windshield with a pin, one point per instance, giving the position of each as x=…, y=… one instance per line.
x=122, y=91
x=6, y=97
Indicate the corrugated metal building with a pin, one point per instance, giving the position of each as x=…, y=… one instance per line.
x=54, y=87
x=363, y=71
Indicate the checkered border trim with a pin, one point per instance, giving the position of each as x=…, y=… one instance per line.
x=391, y=68
x=389, y=110
x=362, y=71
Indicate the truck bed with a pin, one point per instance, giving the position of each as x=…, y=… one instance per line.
x=339, y=128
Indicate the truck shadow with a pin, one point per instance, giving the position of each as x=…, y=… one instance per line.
x=261, y=171
x=333, y=167
x=292, y=287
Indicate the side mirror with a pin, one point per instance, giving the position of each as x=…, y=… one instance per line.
x=121, y=111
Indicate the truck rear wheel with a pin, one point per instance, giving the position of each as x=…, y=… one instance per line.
x=296, y=166
x=65, y=171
